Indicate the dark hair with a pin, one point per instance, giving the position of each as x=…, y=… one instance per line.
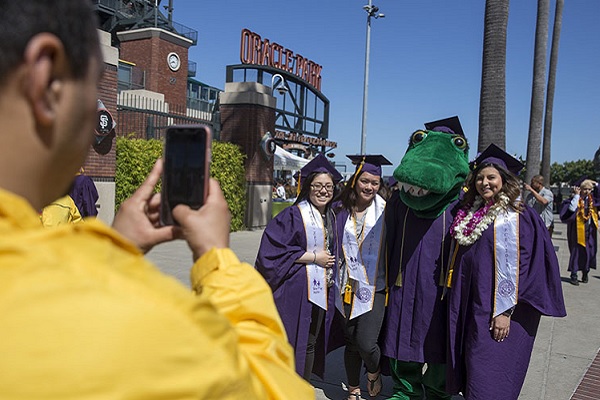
x=539, y=179
x=73, y=22
x=305, y=188
x=511, y=186
x=348, y=196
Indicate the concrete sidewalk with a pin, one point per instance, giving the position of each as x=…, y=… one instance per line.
x=563, y=351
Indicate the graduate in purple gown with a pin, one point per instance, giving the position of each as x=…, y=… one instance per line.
x=504, y=277
x=362, y=282
x=580, y=212
x=298, y=257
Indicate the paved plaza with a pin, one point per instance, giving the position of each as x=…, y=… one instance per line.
x=563, y=351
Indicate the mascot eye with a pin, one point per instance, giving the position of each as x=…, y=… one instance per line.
x=418, y=137
x=459, y=142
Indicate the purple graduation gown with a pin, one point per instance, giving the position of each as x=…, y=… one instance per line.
x=581, y=258
x=477, y=365
x=282, y=243
x=84, y=194
x=415, y=324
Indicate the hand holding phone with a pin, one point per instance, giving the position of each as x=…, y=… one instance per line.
x=187, y=154
x=207, y=227
x=138, y=216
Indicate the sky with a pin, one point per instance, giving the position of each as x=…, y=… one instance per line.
x=425, y=65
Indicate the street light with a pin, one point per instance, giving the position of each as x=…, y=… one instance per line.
x=372, y=11
x=281, y=88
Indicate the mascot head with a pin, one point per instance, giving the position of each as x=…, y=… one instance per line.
x=434, y=167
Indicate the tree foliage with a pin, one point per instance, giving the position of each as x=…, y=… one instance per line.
x=571, y=171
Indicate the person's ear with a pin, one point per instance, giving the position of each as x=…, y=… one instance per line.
x=47, y=68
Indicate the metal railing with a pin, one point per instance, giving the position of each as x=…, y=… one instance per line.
x=147, y=118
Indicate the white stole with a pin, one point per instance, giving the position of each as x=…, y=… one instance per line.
x=316, y=275
x=362, y=255
x=506, y=253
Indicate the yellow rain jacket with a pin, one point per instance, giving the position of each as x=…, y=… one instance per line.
x=61, y=211
x=84, y=316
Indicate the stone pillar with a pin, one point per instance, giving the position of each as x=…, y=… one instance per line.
x=247, y=113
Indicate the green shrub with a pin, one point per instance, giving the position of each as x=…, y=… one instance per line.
x=136, y=157
x=227, y=167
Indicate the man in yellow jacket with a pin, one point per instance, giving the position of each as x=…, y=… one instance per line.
x=82, y=314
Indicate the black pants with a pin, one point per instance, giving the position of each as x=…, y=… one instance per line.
x=362, y=335
x=316, y=323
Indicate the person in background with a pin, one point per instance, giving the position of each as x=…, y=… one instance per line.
x=541, y=200
x=84, y=194
x=280, y=191
x=558, y=199
x=580, y=213
x=504, y=275
x=60, y=212
x=84, y=314
x=297, y=257
x=290, y=191
x=361, y=286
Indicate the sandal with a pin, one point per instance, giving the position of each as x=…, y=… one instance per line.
x=374, y=386
x=353, y=392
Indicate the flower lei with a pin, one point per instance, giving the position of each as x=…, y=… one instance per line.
x=468, y=226
x=581, y=207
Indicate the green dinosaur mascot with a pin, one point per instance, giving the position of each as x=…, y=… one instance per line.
x=418, y=217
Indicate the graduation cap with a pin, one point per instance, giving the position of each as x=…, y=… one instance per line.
x=446, y=125
x=368, y=163
x=318, y=164
x=578, y=182
x=495, y=155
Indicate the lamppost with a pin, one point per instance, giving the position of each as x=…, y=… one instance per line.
x=372, y=11
x=281, y=88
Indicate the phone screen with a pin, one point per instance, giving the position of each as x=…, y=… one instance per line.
x=185, y=174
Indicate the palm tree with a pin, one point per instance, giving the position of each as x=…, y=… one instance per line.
x=492, y=102
x=546, y=147
x=534, y=139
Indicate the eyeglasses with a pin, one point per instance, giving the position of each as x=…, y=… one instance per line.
x=317, y=187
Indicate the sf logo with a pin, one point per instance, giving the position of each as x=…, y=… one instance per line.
x=103, y=122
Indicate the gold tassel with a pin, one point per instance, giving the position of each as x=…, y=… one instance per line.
x=451, y=268
x=298, y=187
x=358, y=172
x=348, y=293
x=399, y=277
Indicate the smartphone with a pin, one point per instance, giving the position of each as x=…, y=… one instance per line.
x=186, y=172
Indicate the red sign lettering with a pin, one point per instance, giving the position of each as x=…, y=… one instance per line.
x=258, y=51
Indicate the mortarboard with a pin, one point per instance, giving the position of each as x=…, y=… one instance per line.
x=318, y=164
x=579, y=181
x=368, y=163
x=446, y=125
x=392, y=181
x=495, y=155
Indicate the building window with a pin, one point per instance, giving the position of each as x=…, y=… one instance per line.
x=201, y=96
x=130, y=77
